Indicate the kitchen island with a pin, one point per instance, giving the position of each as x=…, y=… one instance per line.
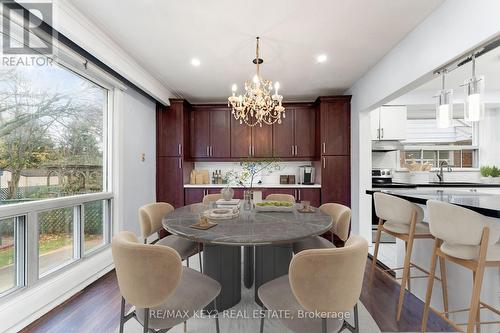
x=459, y=279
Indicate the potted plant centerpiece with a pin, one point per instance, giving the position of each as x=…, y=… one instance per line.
x=247, y=174
x=490, y=174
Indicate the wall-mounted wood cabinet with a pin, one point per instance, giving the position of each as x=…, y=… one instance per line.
x=210, y=132
x=295, y=136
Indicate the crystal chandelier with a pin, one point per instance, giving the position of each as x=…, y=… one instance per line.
x=257, y=105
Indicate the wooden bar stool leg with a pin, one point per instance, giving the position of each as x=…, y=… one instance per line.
x=430, y=284
x=478, y=315
x=444, y=285
x=406, y=269
x=478, y=281
x=408, y=280
x=377, y=242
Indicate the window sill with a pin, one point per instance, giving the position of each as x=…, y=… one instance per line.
x=438, y=169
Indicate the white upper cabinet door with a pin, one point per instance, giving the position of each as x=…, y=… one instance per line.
x=375, y=123
x=393, y=121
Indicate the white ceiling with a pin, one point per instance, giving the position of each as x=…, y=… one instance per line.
x=163, y=36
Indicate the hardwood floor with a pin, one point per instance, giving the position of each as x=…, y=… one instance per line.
x=97, y=307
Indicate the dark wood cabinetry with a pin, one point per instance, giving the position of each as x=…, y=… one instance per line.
x=295, y=136
x=210, y=132
x=336, y=179
x=318, y=132
x=335, y=123
x=241, y=139
x=262, y=141
x=172, y=145
x=335, y=148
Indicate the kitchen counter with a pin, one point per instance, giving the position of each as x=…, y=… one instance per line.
x=484, y=203
x=255, y=186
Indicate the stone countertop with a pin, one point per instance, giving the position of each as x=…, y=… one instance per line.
x=250, y=227
x=255, y=186
x=483, y=203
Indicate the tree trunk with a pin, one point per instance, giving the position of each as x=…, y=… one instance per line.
x=14, y=184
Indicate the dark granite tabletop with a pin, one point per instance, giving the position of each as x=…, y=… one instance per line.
x=250, y=228
x=483, y=203
x=436, y=184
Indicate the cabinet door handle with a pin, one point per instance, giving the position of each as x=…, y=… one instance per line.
x=249, y=150
x=324, y=163
x=324, y=147
x=253, y=151
x=180, y=149
x=298, y=192
x=378, y=133
x=292, y=151
x=296, y=150
x=211, y=151
x=180, y=162
x=208, y=151
x=382, y=132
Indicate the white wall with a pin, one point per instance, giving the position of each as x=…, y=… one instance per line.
x=137, y=184
x=440, y=38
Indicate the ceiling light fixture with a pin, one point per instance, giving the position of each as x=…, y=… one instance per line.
x=195, y=62
x=444, y=105
x=257, y=105
x=474, y=87
x=321, y=58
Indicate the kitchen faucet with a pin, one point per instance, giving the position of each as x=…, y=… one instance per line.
x=440, y=174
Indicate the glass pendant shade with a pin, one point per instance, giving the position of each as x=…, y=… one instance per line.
x=444, y=109
x=474, y=106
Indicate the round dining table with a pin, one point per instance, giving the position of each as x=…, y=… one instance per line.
x=266, y=238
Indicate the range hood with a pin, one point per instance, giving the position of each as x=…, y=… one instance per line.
x=386, y=145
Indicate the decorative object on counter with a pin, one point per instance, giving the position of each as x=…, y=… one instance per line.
x=203, y=223
x=490, y=175
x=227, y=193
x=257, y=106
x=274, y=206
x=287, y=179
x=198, y=177
x=249, y=170
x=305, y=207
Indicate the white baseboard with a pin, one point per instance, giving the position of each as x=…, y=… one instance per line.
x=26, y=306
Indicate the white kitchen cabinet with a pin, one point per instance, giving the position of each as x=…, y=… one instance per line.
x=389, y=123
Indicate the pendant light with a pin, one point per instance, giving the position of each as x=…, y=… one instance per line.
x=444, y=105
x=474, y=88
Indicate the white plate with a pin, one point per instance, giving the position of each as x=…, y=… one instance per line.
x=221, y=213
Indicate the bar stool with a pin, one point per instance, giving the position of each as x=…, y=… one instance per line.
x=470, y=240
x=403, y=220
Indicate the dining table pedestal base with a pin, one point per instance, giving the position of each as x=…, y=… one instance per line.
x=223, y=264
x=271, y=262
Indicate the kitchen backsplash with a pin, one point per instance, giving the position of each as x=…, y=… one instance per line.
x=286, y=168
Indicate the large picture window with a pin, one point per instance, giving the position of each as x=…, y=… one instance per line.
x=54, y=196
x=51, y=134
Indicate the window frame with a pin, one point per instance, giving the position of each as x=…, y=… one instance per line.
x=438, y=148
x=27, y=274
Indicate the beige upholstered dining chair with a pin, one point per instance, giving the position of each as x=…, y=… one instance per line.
x=152, y=279
x=281, y=197
x=402, y=219
x=341, y=221
x=323, y=280
x=150, y=221
x=211, y=198
x=470, y=240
